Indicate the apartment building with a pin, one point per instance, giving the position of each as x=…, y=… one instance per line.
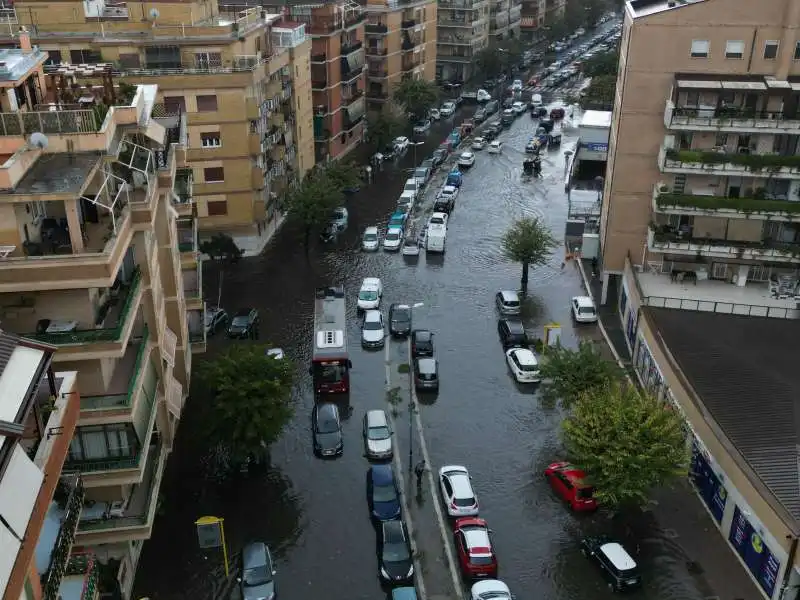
x=538, y=14
x=337, y=75
x=505, y=19
x=99, y=260
x=700, y=240
x=218, y=65
x=462, y=32
x=401, y=44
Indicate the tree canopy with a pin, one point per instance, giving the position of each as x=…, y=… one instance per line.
x=489, y=62
x=417, y=96
x=250, y=399
x=222, y=246
x=600, y=93
x=569, y=374
x=602, y=64
x=383, y=127
x=628, y=442
x=530, y=242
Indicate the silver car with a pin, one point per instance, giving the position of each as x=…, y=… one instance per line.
x=377, y=435
x=507, y=302
x=373, y=332
x=258, y=573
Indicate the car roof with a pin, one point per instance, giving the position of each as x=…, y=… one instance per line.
x=372, y=316
x=466, y=153
x=254, y=554
x=509, y=295
x=398, y=306
x=396, y=228
x=381, y=474
x=459, y=479
x=404, y=593
x=618, y=556
x=494, y=143
x=478, y=541
x=412, y=180
x=575, y=475
x=370, y=281
x=371, y=230
x=327, y=409
x=422, y=334
x=427, y=364
x=450, y=189
x=514, y=326
x=394, y=529
x=440, y=215
x=584, y=301
x=525, y=356
x=376, y=418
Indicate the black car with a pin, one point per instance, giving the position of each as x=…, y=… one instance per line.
x=619, y=569
x=444, y=205
x=426, y=374
x=512, y=333
x=383, y=497
x=326, y=427
x=508, y=102
x=546, y=124
x=489, y=84
x=421, y=343
x=394, y=553
x=439, y=156
x=492, y=106
x=399, y=320
x=480, y=115
x=244, y=324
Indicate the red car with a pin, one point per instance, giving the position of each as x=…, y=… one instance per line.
x=568, y=482
x=474, y=546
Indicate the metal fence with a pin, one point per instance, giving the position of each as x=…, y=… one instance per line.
x=718, y=306
x=52, y=122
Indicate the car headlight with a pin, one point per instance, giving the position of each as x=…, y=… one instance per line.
x=384, y=573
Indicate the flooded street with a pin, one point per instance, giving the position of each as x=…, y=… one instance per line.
x=313, y=513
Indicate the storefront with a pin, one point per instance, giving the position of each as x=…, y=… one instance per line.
x=749, y=543
x=709, y=485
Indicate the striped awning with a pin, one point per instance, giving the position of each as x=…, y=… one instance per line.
x=529, y=22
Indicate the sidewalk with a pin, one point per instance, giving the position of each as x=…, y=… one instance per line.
x=677, y=511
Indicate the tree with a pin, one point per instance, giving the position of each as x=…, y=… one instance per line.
x=342, y=175
x=417, y=96
x=311, y=202
x=383, y=127
x=222, y=246
x=627, y=441
x=569, y=374
x=250, y=401
x=489, y=62
x=600, y=93
x=602, y=64
x=530, y=242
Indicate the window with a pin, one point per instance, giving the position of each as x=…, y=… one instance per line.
x=174, y=104
x=797, y=51
x=699, y=49
x=213, y=175
x=130, y=61
x=770, y=49
x=101, y=442
x=206, y=103
x=163, y=57
x=87, y=56
x=217, y=208
x=207, y=60
x=210, y=140
x=692, y=98
x=734, y=49
x=53, y=57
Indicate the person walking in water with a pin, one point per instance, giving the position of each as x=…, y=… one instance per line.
x=419, y=471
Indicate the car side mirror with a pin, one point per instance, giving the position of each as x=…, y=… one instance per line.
x=274, y=572
x=239, y=580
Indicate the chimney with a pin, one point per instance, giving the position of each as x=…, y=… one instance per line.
x=25, y=41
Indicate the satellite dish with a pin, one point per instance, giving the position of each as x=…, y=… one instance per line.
x=154, y=14
x=38, y=140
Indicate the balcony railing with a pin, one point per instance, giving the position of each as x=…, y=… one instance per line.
x=408, y=24
x=720, y=306
x=87, y=336
x=327, y=25
x=351, y=74
x=375, y=29
x=712, y=162
x=52, y=122
x=372, y=51
x=445, y=22
x=60, y=557
x=87, y=566
x=115, y=401
x=666, y=239
x=728, y=118
x=723, y=206
x=377, y=73
x=349, y=99
x=183, y=185
x=348, y=49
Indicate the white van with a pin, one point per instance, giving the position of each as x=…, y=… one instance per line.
x=407, y=198
x=411, y=186
x=536, y=101
x=435, y=239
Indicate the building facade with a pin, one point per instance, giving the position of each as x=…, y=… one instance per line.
x=99, y=260
x=219, y=66
x=505, y=20
x=401, y=44
x=462, y=32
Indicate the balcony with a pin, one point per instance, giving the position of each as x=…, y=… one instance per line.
x=728, y=119
x=462, y=4
x=454, y=58
x=331, y=24
x=376, y=51
x=444, y=21
x=409, y=24
x=348, y=49
x=409, y=64
x=375, y=73
x=182, y=199
x=187, y=239
x=105, y=522
x=57, y=535
x=81, y=580
x=376, y=29
x=197, y=329
x=349, y=98
x=319, y=84
x=193, y=287
x=707, y=162
x=352, y=74
x=50, y=122
x=319, y=58
x=721, y=206
x=666, y=240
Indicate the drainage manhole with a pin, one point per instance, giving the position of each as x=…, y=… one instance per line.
x=670, y=533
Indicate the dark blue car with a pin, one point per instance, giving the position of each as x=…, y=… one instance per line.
x=382, y=495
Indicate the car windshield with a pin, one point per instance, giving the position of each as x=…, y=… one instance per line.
x=395, y=552
x=480, y=560
x=464, y=501
x=383, y=493
x=240, y=321
x=586, y=310
x=370, y=237
x=378, y=433
x=437, y=220
x=327, y=426
x=256, y=576
x=529, y=368
x=410, y=187
x=372, y=325
x=393, y=235
x=400, y=316
x=494, y=595
x=584, y=493
x=368, y=295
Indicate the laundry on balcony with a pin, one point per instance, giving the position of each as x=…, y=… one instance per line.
x=355, y=112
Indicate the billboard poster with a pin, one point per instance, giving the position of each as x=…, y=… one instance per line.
x=768, y=576
x=740, y=532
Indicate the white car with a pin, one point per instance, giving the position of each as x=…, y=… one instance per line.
x=373, y=332
x=370, y=241
x=456, y=486
x=393, y=239
x=405, y=202
x=523, y=365
x=495, y=147
x=377, y=435
x=411, y=186
x=422, y=127
x=410, y=247
x=518, y=108
x=483, y=96
x=517, y=85
x=434, y=114
x=448, y=192
x=438, y=218
x=448, y=109
x=400, y=143
x=370, y=294
x=493, y=589
x=466, y=160
x=583, y=309
x=478, y=143
x=276, y=353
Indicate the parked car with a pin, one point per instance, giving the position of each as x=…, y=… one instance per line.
x=507, y=117
x=216, y=318
x=473, y=543
x=490, y=589
x=438, y=218
x=495, y=147
x=393, y=238
x=482, y=95
x=518, y=108
x=446, y=200
x=480, y=115
x=244, y=324
x=383, y=496
x=512, y=333
x=394, y=553
x=369, y=296
x=516, y=86
x=478, y=143
x=426, y=374
x=584, y=310
x=411, y=187
x=258, y=572
x=339, y=218
x=422, y=127
x=422, y=175
x=428, y=164
x=370, y=241
x=373, y=331
x=400, y=143
x=448, y=109
x=507, y=302
x=439, y=156
x=434, y=114
x=326, y=427
x=404, y=593
x=466, y=160
x=492, y=106
x=619, y=569
x=456, y=486
x=523, y=365
x=400, y=316
x=410, y=246
x=569, y=482
x=421, y=343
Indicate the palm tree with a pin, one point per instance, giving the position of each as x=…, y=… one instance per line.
x=417, y=96
x=530, y=242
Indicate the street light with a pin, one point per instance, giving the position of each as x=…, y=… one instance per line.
x=415, y=144
x=411, y=402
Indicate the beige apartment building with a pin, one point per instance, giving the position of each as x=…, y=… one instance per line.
x=245, y=91
x=462, y=32
x=401, y=44
x=98, y=261
x=505, y=20
x=700, y=240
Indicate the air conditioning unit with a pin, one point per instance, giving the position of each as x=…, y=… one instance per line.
x=744, y=150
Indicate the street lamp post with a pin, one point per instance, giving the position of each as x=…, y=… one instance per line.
x=415, y=144
x=411, y=403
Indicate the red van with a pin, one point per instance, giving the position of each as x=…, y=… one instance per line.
x=568, y=482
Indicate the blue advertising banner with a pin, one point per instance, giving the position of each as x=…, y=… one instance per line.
x=768, y=576
x=757, y=556
x=740, y=532
x=708, y=484
x=718, y=500
x=591, y=147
